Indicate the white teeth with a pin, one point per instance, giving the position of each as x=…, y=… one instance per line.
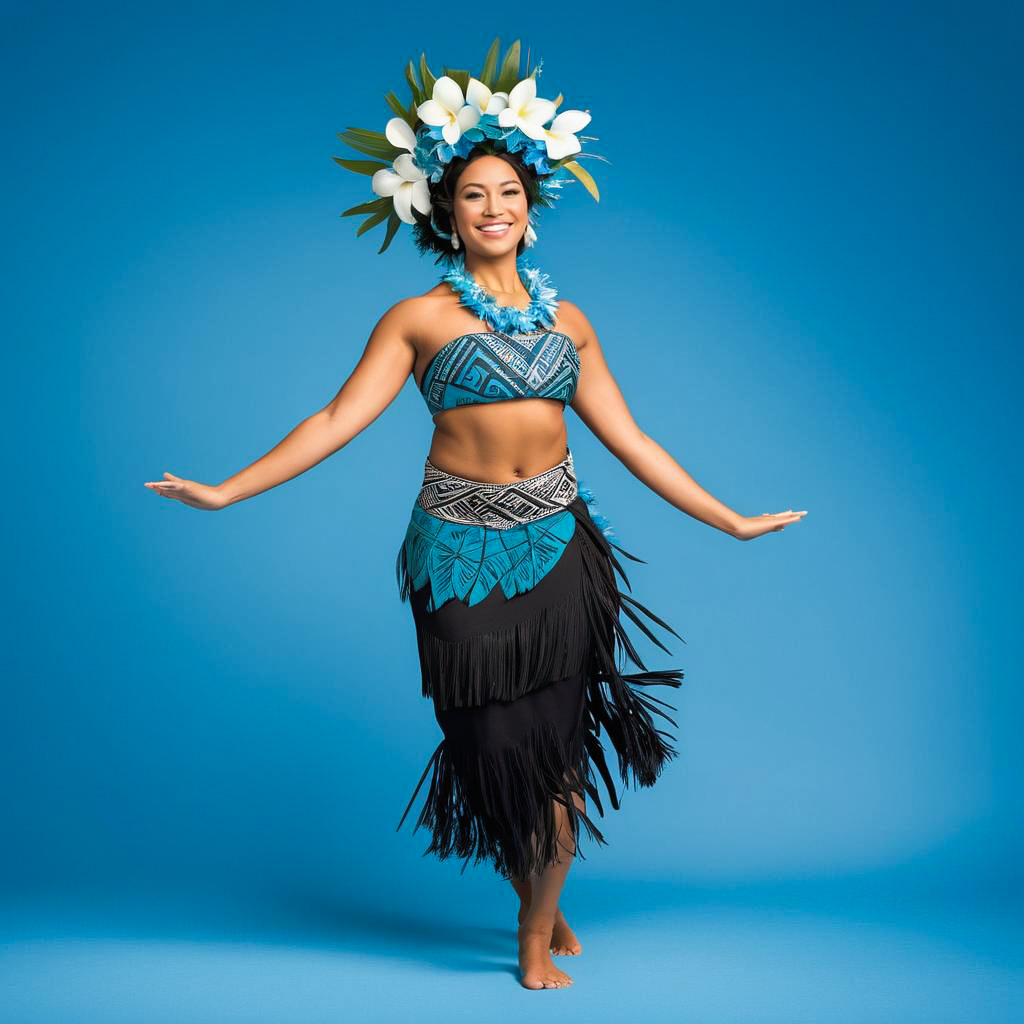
x=494, y=231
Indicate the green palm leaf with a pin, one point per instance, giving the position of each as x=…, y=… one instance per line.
x=369, y=207
x=509, y=73
x=408, y=116
x=491, y=64
x=371, y=221
x=414, y=85
x=393, y=224
x=367, y=133
x=584, y=176
x=384, y=150
x=360, y=166
x=427, y=75
x=367, y=136
x=462, y=77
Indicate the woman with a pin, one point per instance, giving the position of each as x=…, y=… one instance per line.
x=509, y=573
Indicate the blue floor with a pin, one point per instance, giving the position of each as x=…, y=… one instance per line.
x=652, y=952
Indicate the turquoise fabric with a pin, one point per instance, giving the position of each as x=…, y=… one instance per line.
x=490, y=366
x=467, y=561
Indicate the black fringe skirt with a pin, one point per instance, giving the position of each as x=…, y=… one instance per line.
x=522, y=650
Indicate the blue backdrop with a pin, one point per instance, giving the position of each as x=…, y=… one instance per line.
x=802, y=273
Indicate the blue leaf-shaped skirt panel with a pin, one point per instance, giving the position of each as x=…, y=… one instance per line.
x=523, y=649
x=469, y=561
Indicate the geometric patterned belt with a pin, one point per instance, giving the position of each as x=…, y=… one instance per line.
x=500, y=506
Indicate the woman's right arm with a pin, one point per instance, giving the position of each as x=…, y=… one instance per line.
x=372, y=386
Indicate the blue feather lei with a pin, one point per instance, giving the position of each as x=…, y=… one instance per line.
x=543, y=296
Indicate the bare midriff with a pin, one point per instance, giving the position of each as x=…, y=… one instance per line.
x=500, y=442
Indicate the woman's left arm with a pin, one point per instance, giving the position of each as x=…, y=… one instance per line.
x=599, y=404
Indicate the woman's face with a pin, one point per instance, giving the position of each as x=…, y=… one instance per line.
x=489, y=192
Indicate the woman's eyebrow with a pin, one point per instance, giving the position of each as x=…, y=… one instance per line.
x=511, y=181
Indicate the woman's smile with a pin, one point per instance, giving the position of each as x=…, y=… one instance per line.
x=495, y=229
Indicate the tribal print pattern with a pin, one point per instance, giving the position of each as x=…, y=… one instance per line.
x=492, y=366
x=500, y=506
x=468, y=536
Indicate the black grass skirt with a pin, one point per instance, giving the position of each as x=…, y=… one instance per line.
x=524, y=688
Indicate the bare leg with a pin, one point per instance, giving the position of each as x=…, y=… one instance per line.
x=563, y=939
x=536, y=928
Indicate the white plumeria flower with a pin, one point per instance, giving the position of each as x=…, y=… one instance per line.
x=399, y=134
x=526, y=110
x=485, y=101
x=448, y=110
x=560, y=138
x=407, y=186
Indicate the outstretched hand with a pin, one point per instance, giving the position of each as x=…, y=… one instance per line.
x=768, y=522
x=188, y=492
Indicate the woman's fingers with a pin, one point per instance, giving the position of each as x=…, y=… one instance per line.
x=790, y=517
x=188, y=492
x=176, y=488
x=783, y=519
x=770, y=522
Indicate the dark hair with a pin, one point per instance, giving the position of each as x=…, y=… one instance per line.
x=442, y=200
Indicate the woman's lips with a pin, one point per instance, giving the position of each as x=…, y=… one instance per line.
x=492, y=232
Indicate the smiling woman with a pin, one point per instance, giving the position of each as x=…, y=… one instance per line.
x=511, y=580
x=510, y=573
x=456, y=199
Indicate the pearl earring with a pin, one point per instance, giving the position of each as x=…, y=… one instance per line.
x=455, y=239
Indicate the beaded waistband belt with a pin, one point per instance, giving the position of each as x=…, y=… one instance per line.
x=501, y=506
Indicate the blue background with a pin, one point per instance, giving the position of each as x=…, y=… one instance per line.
x=802, y=271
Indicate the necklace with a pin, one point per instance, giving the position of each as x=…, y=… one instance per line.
x=483, y=304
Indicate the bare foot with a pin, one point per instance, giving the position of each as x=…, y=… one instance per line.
x=535, y=964
x=563, y=939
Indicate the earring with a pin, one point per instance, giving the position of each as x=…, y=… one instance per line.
x=455, y=239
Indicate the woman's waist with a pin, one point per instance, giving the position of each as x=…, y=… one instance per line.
x=499, y=452
x=498, y=504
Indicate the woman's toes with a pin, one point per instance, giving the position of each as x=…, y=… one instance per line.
x=563, y=938
x=535, y=963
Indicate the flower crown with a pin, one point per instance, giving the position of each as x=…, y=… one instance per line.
x=448, y=117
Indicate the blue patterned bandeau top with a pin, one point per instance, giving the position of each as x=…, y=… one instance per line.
x=493, y=366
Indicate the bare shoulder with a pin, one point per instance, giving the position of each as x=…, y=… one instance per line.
x=573, y=321
x=407, y=316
